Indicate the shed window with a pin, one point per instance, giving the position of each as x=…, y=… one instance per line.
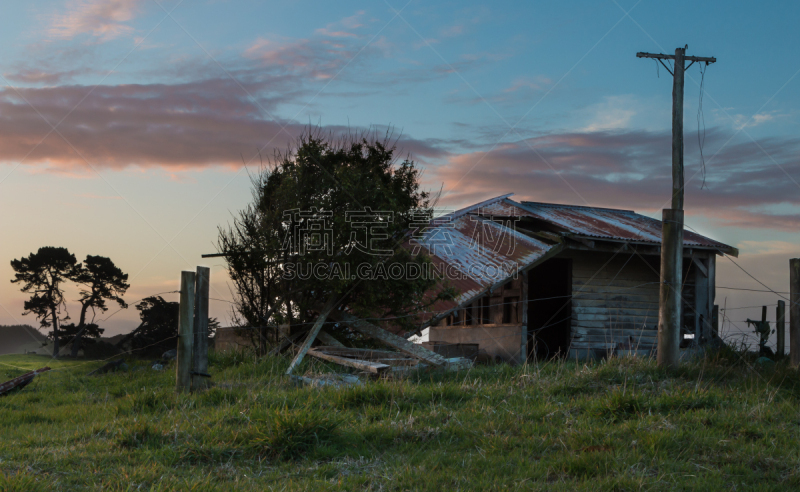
x=485, y=319
x=510, y=309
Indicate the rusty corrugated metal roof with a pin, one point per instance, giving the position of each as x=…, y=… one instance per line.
x=478, y=254
x=474, y=268
x=611, y=224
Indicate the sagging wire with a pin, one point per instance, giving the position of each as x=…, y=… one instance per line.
x=701, y=141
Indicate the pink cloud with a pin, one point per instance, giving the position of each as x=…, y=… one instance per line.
x=630, y=170
x=104, y=19
x=177, y=127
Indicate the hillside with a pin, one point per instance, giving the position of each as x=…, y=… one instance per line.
x=16, y=339
x=719, y=423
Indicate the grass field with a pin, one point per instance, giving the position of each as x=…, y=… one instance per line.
x=716, y=424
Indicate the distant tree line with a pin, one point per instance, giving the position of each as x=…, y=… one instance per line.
x=44, y=274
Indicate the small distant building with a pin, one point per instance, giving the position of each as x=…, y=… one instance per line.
x=231, y=338
x=536, y=280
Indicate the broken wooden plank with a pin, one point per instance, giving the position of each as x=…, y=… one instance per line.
x=364, y=365
x=334, y=380
x=21, y=381
x=312, y=334
x=399, y=362
x=391, y=339
x=328, y=340
x=359, y=353
x=286, y=342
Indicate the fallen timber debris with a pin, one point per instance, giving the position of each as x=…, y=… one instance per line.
x=374, y=361
x=286, y=342
x=364, y=365
x=312, y=334
x=391, y=339
x=20, y=382
x=328, y=339
x=333, y=380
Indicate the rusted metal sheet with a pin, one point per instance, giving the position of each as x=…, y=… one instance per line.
x=20, y=381
x=479, y=247
x=610, y=224
x=476, y=253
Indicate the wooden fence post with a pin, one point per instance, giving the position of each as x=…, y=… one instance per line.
x=780, y=328
x=794, y=312
x=200, y=379
x=183, y=366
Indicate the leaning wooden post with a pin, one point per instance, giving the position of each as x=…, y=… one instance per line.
x=780, y=327
x=794, y=312
x=312, y=334
x=200, y=378
x=183, y=367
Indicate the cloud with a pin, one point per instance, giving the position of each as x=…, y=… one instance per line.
x=175, y=127
x=104, y=19
x=631, y=169
x=529, y=83
x=45, y=77
x=614, y=113
x=741, y=121
x=321, y=56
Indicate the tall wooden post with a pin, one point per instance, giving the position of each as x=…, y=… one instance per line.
x=794, y=311
x=669, y=305
x=669, y=311
x=200, y=378
x=780, y=328
x=183, y=366
x=677, y=131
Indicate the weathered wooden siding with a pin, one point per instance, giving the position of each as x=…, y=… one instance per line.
x=615, y=302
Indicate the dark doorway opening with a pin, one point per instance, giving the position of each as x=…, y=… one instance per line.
x=550, y=308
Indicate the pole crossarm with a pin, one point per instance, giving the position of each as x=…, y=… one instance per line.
x=707, y=59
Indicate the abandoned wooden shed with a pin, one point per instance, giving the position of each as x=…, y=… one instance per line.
x=537, y=280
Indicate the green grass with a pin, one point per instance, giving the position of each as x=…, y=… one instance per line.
x=622, y=424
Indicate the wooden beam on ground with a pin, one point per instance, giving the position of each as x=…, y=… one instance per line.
x=328, y=340
x=312, y=334
x=359, y=353
x=391, y=339
x=364, y=365
x=407, y=361
x=21, y=381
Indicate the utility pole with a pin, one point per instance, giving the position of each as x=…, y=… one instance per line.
x=794, y=312
x=669, y=307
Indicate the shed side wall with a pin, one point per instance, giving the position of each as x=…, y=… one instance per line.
x=615, y=302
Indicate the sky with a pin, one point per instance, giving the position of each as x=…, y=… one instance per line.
x=131, y=128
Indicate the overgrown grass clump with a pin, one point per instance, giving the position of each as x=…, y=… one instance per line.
x=717, y=423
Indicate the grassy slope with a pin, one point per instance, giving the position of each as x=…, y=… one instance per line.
x=620, y=425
